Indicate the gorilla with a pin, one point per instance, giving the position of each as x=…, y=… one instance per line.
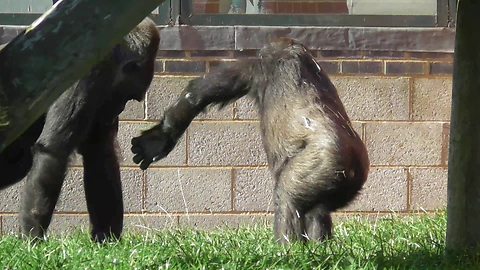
x=83, y=118
x=319, y=163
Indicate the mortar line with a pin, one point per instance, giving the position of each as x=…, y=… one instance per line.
x=445, y=145
x=409, y=188
x=187, y=135
x=410, y=98
x=144, y=191
x=232, y=189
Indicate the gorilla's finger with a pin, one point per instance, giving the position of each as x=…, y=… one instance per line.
x=135, y=149
x=134, y=141
x=137, y=159
x=144, y=165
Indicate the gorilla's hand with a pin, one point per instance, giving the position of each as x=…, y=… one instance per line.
x=153, y=145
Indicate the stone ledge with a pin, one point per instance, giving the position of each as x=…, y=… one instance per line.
x=352, y=38
x=198, y=38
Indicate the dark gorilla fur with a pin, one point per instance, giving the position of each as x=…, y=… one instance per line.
x=85, y=118
x=318, y=161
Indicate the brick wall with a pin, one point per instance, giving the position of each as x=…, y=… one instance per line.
x=399, y=102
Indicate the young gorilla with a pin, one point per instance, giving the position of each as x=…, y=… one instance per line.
x=85, y=117
x=318, y=161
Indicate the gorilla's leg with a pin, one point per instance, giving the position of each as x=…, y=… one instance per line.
x=305, y=180
x=293, y=222
x=289, y=221
x=102, y=183
x=65, y=126
x=42, y=190
x=318, y=223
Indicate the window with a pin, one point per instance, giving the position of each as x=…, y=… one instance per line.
x=411, y=13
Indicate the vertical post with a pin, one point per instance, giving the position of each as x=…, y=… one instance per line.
x=463, y=210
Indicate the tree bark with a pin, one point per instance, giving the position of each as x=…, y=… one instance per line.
x=463, y=210
x=55, y=51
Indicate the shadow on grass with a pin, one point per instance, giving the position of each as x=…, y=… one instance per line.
x=427, y=259
x=419, y=259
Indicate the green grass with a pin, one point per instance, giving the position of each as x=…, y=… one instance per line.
x=393, y=242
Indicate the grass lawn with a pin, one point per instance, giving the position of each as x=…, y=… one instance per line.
x=393, y=242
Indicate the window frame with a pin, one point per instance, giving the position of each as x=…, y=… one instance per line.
x=162, y=18
x=175, y=12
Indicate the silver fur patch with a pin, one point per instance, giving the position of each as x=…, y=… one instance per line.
x=308, y=123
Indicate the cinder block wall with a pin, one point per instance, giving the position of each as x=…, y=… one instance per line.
x=399, y=102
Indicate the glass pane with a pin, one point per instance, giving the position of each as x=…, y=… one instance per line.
x=354, y=7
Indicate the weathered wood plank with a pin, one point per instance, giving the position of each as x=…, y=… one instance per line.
x=55, y=51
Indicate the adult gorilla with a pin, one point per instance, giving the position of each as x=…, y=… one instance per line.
x=318, y=161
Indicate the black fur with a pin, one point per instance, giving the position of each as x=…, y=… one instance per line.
x=85, y=118
x=318, y=161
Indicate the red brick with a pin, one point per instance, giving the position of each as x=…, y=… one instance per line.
x=312, y=6
x=441, y=68
x=384, y=54
x=170, y=54
x=284, y=7
x=332, y=8
x=297, y=8
x=245, y=54
x=341, y=54
x=185, y=66
x=222, y=54
x=211, y=8
x=406, y=67
x=270, y=7
x=361, y=67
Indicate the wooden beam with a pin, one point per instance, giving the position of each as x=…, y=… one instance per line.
x=55, y=51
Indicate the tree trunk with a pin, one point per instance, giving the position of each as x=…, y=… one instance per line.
x=463, y=210
x=55, y=51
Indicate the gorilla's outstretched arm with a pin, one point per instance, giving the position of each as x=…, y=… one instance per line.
x=220, y=87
